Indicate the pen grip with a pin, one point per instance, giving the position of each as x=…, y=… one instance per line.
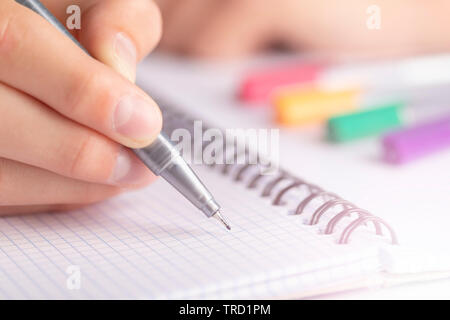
x=158, y=155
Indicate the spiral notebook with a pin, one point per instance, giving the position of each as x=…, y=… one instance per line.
x=289, y=239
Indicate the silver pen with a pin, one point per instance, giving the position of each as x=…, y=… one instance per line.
x=161, y=157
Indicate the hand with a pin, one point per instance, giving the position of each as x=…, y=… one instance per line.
x=235, y=28
x=65, y=117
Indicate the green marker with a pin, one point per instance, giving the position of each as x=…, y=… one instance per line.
x=384, y=117
x=365, y=123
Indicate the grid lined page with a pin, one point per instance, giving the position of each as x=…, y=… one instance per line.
x=154, y=244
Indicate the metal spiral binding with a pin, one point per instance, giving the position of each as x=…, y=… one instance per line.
x=174, y=120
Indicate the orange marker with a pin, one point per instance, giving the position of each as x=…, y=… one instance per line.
x=311, y=104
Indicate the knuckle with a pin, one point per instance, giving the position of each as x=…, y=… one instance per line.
x=81, y=81
x=88, y=87
x=77, y=165
x=91, y=159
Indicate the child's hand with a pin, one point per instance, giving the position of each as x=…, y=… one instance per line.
x=231, y=28
x=64, y=116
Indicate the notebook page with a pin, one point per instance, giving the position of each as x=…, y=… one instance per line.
x=352, y=170
x=153, y=244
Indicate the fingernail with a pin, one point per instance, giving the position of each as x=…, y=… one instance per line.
x=128, y=171
x=126, y=56
x=137, y=119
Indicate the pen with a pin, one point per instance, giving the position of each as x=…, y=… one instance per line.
x=394, y=75
x=160, y=157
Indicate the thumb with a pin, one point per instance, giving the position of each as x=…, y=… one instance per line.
x=113, y=38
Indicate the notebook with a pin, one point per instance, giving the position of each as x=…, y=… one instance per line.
x=289, y=239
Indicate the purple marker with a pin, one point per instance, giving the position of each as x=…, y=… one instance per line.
x=418, y=141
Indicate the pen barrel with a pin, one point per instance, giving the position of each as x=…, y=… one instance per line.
x=164, y=160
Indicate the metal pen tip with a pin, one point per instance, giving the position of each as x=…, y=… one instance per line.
x=219, y=217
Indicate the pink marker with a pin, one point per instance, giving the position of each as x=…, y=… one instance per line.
x=418, y=141
x=258, y=86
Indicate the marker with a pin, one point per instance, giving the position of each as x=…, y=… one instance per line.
x=317, y=104
x=259, y=86
x=364, y=123
x=413, y=143
x=312, y=105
